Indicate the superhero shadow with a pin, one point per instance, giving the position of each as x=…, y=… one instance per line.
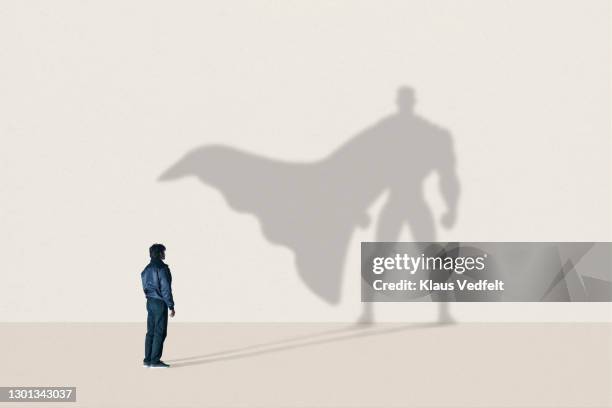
x=314, y=207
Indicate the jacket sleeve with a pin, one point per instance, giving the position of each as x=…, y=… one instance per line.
x=165, y=283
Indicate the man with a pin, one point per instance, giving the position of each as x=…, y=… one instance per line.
x=157, y=286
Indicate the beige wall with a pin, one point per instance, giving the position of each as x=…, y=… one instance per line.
x=97, y=99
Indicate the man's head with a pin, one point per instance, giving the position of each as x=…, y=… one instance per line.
x=405, y=99
x=157, y=251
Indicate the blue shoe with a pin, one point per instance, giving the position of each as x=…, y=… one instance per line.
x=160, y=364
x=146, y=363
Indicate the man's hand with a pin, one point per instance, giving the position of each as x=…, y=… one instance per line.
x=172, y=313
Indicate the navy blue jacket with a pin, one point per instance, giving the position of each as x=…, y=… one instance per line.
x=157, y=282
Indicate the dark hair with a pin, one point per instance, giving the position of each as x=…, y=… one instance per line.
x=156, y=250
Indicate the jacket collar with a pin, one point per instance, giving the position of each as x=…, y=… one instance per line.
x=156, y=261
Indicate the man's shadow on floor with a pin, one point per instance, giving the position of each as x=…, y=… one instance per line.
x=325, y=337
x=313, y=208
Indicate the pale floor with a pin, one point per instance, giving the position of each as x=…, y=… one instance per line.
x=317, y=365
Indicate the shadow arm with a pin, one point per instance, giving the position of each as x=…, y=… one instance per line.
x=450, y=187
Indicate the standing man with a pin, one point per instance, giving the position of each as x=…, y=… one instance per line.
x=157, y=286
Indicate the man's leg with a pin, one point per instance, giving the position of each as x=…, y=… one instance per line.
x=160, y=330
x=150, y=331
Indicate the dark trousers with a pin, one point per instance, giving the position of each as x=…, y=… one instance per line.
x=157, y=328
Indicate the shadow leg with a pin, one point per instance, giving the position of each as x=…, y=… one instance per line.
x=423, y=230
